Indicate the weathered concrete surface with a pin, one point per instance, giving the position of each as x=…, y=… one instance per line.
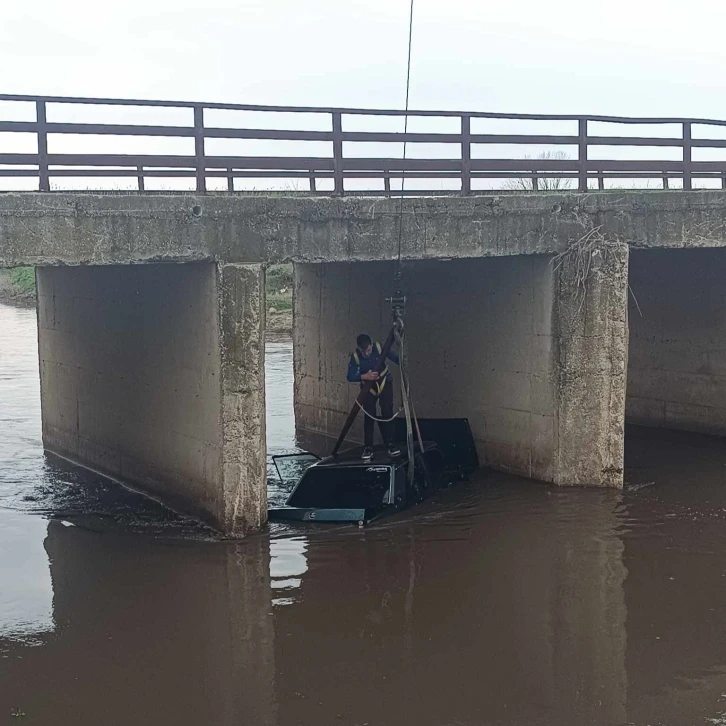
x=677, y=363
x=591, y=329
x=480, y=332
x=542, y=383
x=50, y=229
x=242, y=328
x=140, y=381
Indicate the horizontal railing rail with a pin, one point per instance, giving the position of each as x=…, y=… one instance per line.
x=473, y=164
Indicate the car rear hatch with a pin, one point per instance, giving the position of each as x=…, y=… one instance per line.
x=316, y=514
x=338, y=491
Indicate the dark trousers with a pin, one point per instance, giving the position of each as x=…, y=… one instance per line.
x=385, y=399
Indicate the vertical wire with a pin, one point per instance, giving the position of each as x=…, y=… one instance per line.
x=405, y=131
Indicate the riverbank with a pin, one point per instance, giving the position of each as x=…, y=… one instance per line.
x=279, y=298
x=17, y=286
x=279, y=321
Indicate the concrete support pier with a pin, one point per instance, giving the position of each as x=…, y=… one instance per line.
x=154, y=375
x=525, y=347
x=591, y=366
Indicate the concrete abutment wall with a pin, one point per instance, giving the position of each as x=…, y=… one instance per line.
x=515, y=344
x=154, y=374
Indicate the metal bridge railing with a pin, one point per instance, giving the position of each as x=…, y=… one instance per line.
x=473, y=166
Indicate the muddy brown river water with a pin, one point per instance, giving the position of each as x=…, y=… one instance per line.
x=501, y=602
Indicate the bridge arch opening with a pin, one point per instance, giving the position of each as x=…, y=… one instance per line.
x=677, y=352
x=484, y=342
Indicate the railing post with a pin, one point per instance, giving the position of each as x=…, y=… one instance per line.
x=43, y=176
x=313, y=184
x=687, y=181
x=535, y=183
x=199, y=148
x=230, y=180
x=665, y=181
x=601, y=182
x=465, y=154
x=582, y=154
x=338, y=151
x=140, y=178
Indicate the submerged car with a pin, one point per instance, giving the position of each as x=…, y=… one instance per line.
x=346, y=488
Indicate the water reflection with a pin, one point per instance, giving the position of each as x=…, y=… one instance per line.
x=166, y=634
x=481, y=618
x=26, y=594
x=676, y=586
x=487, y=609
x=287, y=565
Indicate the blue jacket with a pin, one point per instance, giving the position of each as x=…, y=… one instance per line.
x=358, y=364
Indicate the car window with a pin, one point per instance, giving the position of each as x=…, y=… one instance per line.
x=345, y=487
x=290, y=467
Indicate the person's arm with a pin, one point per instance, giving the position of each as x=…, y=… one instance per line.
x=354, y=374
x=390, y=355
x=353, y=370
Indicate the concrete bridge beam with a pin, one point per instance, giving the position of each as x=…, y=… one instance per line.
x=154, y=375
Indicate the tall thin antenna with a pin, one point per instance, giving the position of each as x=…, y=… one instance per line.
x=405, y=131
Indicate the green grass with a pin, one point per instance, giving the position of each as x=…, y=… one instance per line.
x=21, y=279
x=279, y=287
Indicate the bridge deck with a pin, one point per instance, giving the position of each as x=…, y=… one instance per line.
x=82, y=229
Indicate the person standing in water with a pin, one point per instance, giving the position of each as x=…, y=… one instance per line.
x=362, y=367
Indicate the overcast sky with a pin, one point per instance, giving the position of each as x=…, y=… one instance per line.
x=621, y=57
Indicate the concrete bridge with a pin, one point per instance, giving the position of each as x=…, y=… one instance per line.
x=549, y=320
